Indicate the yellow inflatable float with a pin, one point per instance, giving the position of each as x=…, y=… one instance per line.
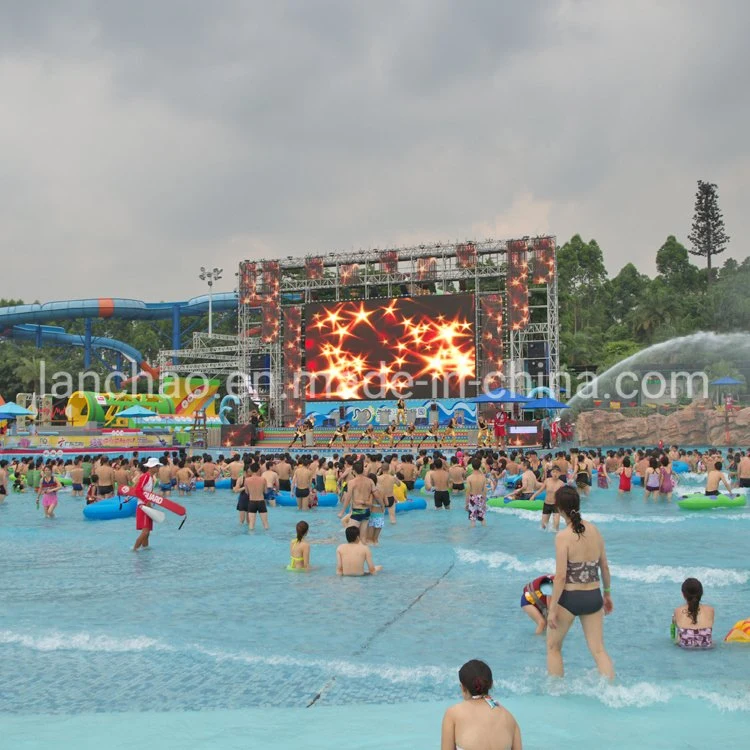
x=740, y=633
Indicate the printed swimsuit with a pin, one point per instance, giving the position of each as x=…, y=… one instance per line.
x=694, y=637
x=477, y=507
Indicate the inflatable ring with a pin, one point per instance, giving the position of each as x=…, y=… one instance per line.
x=418, y=484
x=709, y=502
x=501, y=502
x=110, y=509
x=325, y=500
x=680, y=467
x=225, y=483
x=740, y=632
x=418, y=503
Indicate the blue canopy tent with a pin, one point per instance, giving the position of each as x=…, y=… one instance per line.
x=545, y=403
x=718, y=382
x=500, y=396
x=134, y=412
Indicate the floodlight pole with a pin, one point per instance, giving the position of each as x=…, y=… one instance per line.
x=210, y=277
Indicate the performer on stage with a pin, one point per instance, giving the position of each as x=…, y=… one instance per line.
x=299, y=434
x=341, y=432
x=410, y=432
x=483, y=435
x=401, y=411
x=450, y=431
x=390, y=433
x=433, y=433
x=501, y=418
x=368, y=434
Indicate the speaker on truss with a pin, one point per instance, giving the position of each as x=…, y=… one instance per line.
x=537, y=362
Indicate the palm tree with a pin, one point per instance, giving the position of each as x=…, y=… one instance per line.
x=28, y=373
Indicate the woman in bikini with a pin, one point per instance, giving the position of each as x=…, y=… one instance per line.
x=299, y=549
x=580, y=558
x=478, y=720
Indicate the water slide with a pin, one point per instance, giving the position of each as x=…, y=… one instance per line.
x=27, y=322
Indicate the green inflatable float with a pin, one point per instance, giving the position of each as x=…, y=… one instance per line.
x=499, y=502
x=709, y=502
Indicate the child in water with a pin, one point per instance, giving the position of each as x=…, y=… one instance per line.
x=91, y=496
x=49, y=486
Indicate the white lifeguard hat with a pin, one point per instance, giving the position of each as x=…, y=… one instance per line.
x=152, y=463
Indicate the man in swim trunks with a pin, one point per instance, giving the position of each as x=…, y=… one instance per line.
x=76, y=477
x=164, y=475
x=3, y=480
x=272, y=483
x=210, y=472
x=255, y=486
x=529, y=483
x=714, y=478
x=352, y=557
x=476, y=493
x=385, y=485
x=436, y=480
x=105, y=485
x=302, y=480
x=185, y=478
x=284, y=469
x=360, y=492
x=457, y=475
x=551, y=485
x=743, y=470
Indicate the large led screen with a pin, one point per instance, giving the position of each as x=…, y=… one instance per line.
x=375, y=349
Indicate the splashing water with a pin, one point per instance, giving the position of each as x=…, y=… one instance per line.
x=691, y=354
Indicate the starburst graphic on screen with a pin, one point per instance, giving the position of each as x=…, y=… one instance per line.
x=369, y=350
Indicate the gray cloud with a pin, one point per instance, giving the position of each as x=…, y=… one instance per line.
x=143, y=139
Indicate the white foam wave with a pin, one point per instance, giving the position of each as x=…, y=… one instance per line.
x=504, y=560
x=724, y=702
x=647, y=574
x=531, y=515
x=357, y=670
x=640, y=695
x=81, y=642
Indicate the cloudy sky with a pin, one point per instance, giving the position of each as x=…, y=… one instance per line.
x=143, y=139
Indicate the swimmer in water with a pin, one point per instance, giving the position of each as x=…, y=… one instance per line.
x=299, y=549
x=478, y=720
x=352, y=557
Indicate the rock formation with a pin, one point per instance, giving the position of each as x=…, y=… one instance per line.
x=698, y=424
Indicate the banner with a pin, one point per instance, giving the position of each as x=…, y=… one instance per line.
x=111, y=441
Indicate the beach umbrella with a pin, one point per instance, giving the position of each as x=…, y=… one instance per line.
x=545, y=403
x=8, y=411
x=133, y=412
x=500, y=396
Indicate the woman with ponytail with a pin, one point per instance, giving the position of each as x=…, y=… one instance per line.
x=299, y=549
x=478, y=721
x=693, y=622
x=580, y=558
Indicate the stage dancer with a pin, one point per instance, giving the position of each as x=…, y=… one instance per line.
x=367, y=434
x=433, y=433
x=483, y=435
x=450, y=432
x=390, y=433
x=410, y=432
x=401, y=411
x=340, y=432
x=299, y=434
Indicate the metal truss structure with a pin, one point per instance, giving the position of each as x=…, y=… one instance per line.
x=413, y=270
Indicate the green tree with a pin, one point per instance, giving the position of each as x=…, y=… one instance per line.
x=581, y=286
x=27, y=370
x=625, y=291
x=674, y=266
x=707, y=236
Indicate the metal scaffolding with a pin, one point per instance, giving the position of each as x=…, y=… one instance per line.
x=340, y=281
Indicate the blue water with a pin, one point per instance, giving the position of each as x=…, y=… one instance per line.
x=205, y=640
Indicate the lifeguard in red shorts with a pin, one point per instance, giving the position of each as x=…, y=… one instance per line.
x=145, y=483
x=499, y=422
